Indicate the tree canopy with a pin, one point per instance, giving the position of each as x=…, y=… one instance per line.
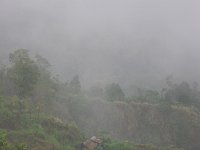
x=23, y=72
x=113, y=92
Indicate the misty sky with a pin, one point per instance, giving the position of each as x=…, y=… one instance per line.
x=133, y=42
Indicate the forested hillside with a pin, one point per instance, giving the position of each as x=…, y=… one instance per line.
x=99, y=75
x=40, y=112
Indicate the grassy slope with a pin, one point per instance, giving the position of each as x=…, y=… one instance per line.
x=42, y=132
x=37, y=130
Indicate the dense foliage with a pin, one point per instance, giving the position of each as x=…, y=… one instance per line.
x=24, y=72
x=38, y=111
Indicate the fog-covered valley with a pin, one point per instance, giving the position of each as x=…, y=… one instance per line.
x=125, y=71
x=136, y=43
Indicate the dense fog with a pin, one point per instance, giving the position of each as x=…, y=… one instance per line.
x=99, y=74
x=132, y=42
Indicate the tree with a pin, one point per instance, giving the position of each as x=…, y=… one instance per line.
x=3, y=79
x=75, y=85
x=42, y=62
x=46, y=86
x=113, y=92
x=150, y=96
x=181, y=93
x=23, y=72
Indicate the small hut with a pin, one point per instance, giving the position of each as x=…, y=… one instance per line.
x=92, y=143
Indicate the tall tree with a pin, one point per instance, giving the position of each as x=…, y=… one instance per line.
x=23, y=72
x=181, y=93
x=75, y=85
x=46, y=86
x=113, y=92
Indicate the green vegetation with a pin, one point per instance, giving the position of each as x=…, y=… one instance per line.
x=113, y=92
x=126, y=145
x=27, y=91
x=39, y=112
x=23, y=72
x=35, y=132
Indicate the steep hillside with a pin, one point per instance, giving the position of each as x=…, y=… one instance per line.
x=22, y=130
x=158, y=124
x=36, y=131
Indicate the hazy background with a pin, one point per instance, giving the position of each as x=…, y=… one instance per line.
x=133, y=42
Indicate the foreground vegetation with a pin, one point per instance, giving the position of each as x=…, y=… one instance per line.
x=39, y=112
x=21, y=129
